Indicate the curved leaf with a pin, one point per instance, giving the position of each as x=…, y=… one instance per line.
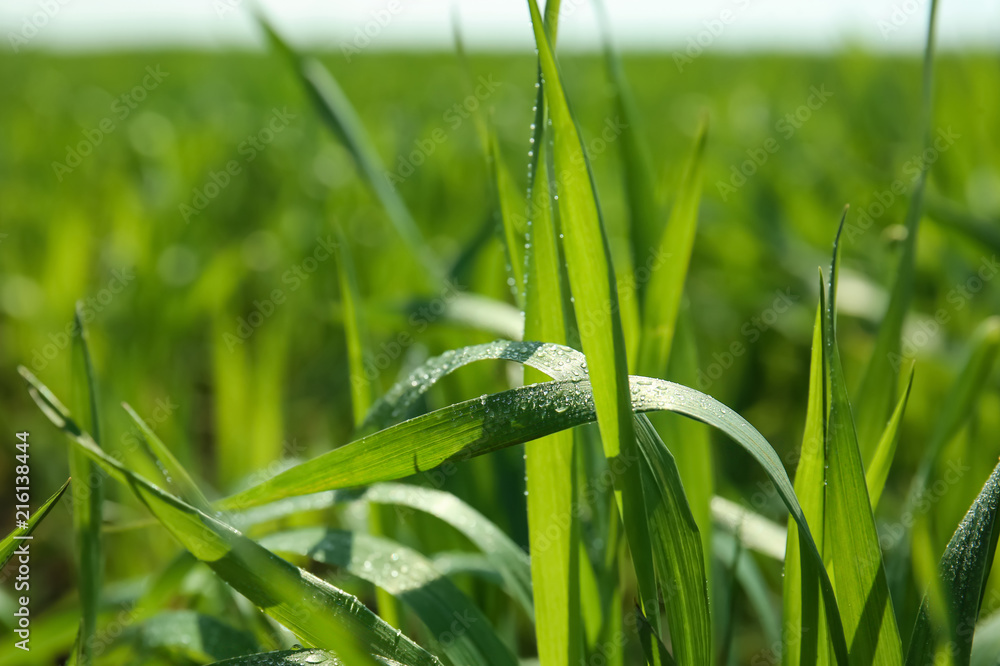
x=464, y=632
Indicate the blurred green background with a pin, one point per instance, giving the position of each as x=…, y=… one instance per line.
x=170, y=295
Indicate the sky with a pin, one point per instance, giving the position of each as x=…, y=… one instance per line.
x=492, y=25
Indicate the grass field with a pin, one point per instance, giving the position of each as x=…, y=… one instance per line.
x=213, y=227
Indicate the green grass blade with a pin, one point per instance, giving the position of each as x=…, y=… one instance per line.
x=751, y=579
x=292, y=658
x=592, y=282
x=665, y=289
x=464, y=632
x=188, y=635
x=87, y=494
x=12, y=541
x=964, y=570
x=362, y=389
x=513, y=222
x=878, y=470
x=677, y=547
x=553, y=524
x=652, y=647
x=174, y=472
x=879, y=383
x=340, y=117
x=355, y=328
x=856, y=555
x=316, y=611
x=506, y=557
x=805, y=633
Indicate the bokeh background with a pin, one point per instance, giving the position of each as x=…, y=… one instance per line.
x=177, y=188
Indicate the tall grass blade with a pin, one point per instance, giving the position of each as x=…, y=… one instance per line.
x=514, y=228
x=340, y=117
x=805, y=638
x=355, y=328
x=592, y=282
x=174, y=472
x=665, y=290
x=963, y=570
x=87, y=494
x=855, y=551
x=878, y=470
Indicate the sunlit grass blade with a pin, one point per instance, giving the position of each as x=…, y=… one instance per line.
x=12, y=541
x=339, y=115
x=464, y=633
x=855, y=551
x=176, y=474
x=665, y=289
x=557, y=561
x=879, y=383
x=188, y=635
x=87, y=494
x=964, y=570
x=592, y=283
x=878, y=469
x=805, y=633
x=317, y=612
